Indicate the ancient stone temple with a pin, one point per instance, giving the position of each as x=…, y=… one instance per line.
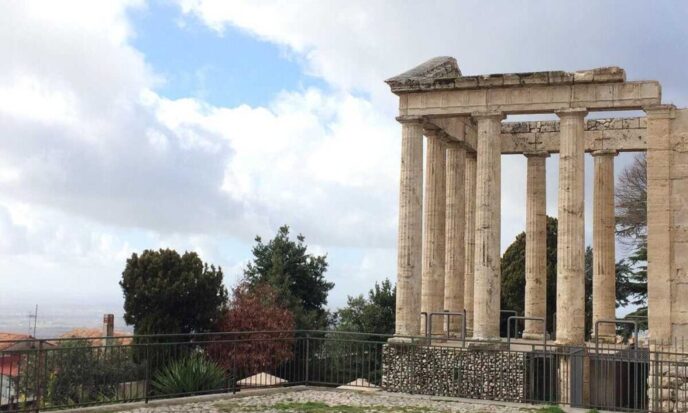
x=449, y=197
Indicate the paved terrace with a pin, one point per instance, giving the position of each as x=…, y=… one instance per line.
x=317, y=400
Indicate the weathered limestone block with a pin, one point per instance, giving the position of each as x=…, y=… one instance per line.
x=626, y=134
x=450, y=101
x=443, y=73
x=438, y=72
x=673, y=382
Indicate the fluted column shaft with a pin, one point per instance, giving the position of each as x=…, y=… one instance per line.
x=660, y=254
x=432, y=291
x=603, y=248
x=571, y=230
x=454, y=253
x=469, y=240
x=409, y=231
x=536, y=244
x=487, y=286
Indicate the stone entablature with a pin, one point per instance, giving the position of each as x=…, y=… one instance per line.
x=442, y=73
x=606, y=124
x=620, y=134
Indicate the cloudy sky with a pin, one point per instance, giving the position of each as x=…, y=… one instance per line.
x=198, y=125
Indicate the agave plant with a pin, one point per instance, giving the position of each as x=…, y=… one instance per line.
x=190, y=375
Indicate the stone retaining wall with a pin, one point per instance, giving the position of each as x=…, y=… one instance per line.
x=668, y=379
x=454, y=372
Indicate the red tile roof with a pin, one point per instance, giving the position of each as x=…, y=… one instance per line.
x=95, y=334
x=9, y=339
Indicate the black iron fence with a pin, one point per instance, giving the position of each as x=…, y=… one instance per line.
x=55, y=374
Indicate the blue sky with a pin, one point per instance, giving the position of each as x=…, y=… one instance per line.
x=230, y=69
x=199, y=124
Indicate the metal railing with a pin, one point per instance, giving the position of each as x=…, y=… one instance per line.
x=516, y=318
x=446, y=314
x=55, y=374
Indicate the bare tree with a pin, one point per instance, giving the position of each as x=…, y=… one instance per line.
x=631, y=202
x=631, y=228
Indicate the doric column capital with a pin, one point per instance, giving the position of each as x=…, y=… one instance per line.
x=409, y=119
x=571, y=112
x=536, y=154
x=660, y=111
x=488, y=115
x=605, y=152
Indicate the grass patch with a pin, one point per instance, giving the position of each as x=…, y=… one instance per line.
x=307, y=407
x=550, y=409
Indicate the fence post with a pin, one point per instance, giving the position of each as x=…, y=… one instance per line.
x=38, y=371
x=308, y=358
x=147, y=387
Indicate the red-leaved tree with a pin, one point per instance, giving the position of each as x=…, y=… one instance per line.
x=261, y=330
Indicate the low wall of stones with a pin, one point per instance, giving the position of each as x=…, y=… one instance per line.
x=454, y=372
x=668, y=380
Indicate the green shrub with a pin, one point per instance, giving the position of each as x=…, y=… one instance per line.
x=190, y=375
x=78, y=373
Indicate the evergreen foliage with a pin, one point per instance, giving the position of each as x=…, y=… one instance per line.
x=297, y=276
x=165, y=292
x=372, y=314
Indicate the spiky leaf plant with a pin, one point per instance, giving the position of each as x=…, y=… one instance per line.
x=187, y=376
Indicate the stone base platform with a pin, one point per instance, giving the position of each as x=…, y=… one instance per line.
x=473, y=372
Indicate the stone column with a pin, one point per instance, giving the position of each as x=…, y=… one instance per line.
x=409, y=231
x=603, y=248
x=432, y=290
x=454, y=265
x=536, y=244
x=571, y=250
x=487, y=287
x=469, y=240
x=659, y=221
x=571, y=231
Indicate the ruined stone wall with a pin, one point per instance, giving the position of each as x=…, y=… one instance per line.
x=668, y=379
x=454, y=372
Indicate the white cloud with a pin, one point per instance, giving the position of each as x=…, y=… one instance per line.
x=357, y=44
x=306, y=159
x=95, y=164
